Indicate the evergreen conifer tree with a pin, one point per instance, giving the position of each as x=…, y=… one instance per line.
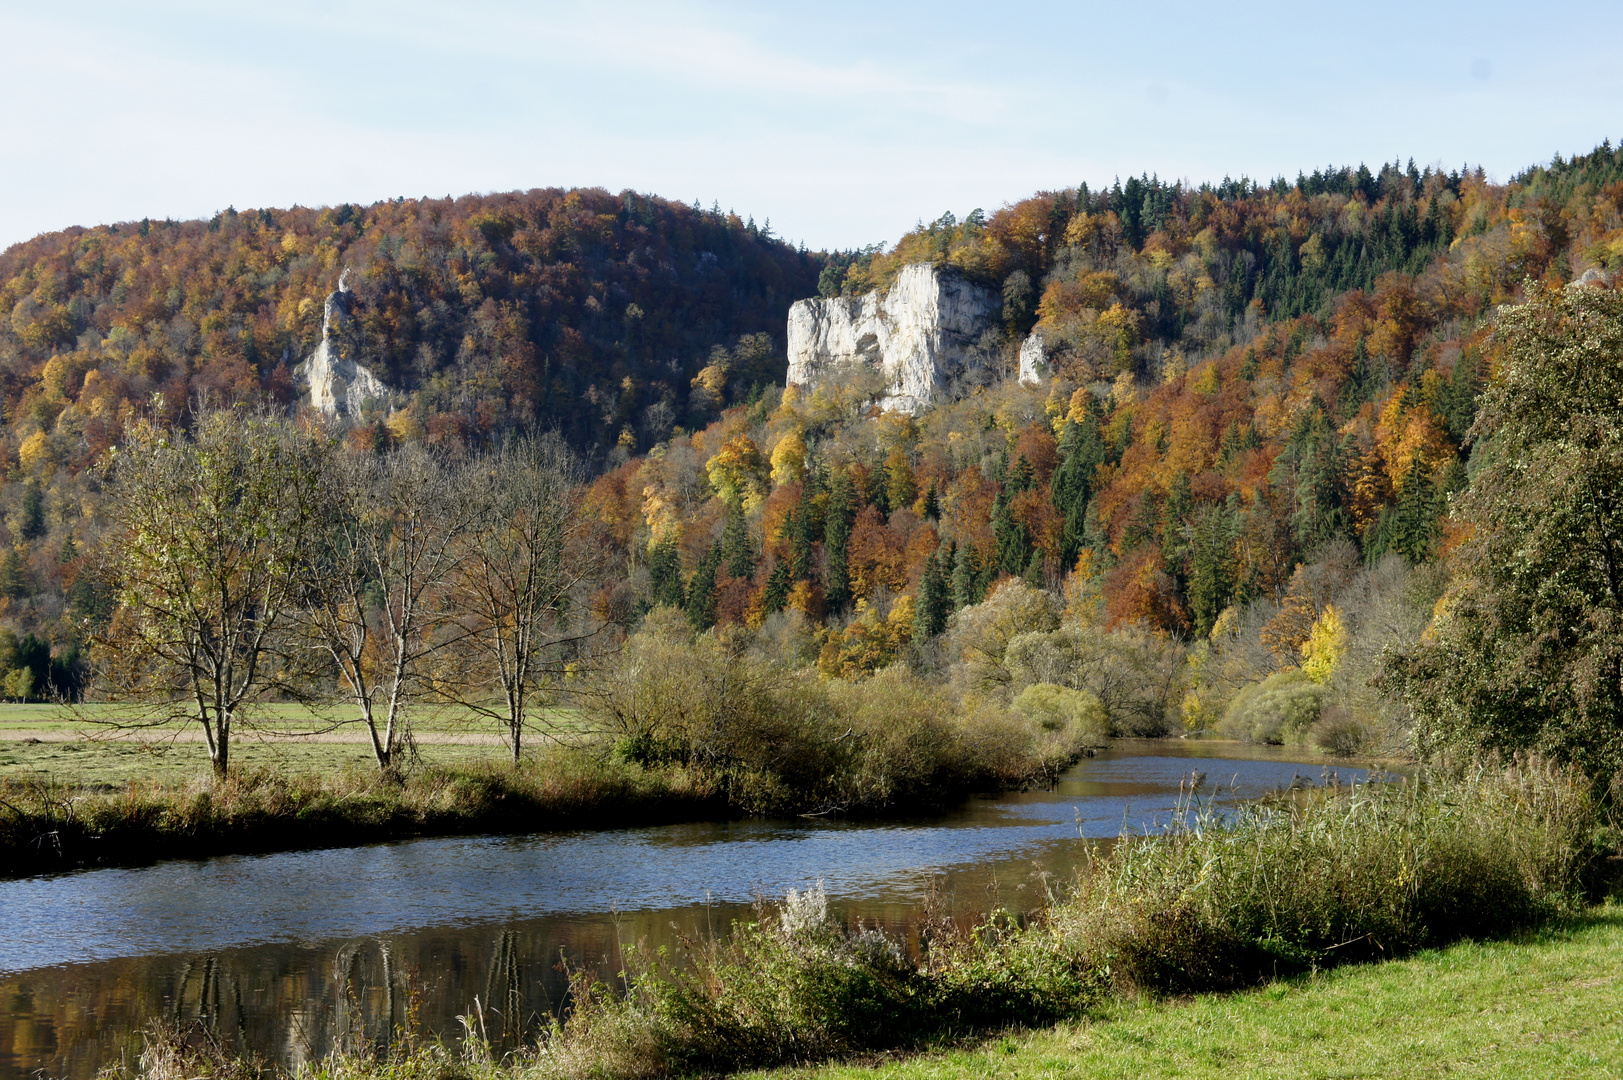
x=32, y=523
x=1211, y=567
x=836, y=537
x=1082, y=450
x=665, y=574
x=776, y=594
x=933, y=605
x=736, y=551
x=932, y=504
x=13, y=575
x=967, y=588
x=701, y=605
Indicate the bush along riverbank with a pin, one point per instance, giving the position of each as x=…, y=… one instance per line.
x=1218, y=903
x=700, y=733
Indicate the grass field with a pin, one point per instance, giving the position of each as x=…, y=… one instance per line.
x=82, y=745
x=1546, y=1005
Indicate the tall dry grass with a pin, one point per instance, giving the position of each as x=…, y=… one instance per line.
x=46, y=826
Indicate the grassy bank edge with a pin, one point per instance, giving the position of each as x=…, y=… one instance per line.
x=48, y=826
x=1547, y=1002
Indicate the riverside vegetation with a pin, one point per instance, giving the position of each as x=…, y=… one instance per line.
x=1286, y=889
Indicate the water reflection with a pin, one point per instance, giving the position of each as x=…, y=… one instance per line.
x=293, y=955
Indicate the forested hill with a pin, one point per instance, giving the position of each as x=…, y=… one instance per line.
x=1254, y=391
x=579, y=309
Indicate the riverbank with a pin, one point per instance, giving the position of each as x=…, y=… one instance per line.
x=1281, y=896
x=909, y=755
x=1548, y=1003
x=50, y=826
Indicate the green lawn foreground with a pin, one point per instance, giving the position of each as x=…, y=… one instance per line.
x=1546, y=1005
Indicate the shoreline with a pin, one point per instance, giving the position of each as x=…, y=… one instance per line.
x=72, y=827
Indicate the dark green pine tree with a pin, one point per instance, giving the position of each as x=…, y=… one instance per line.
x=1309, y=468
x=800, y=546
x=665, y=575
x=1409, y=526
x=1360, y=385
x=933, y=604
x=805, y=529
x=13, y=575
x=932, y=504
x=1211, y=566
x=836, y=538
x=32, y=523
x=701, y=605
x=777, y=588
x=1021, y=477
x=1140, y=527
x=1013, y=538
x=877, y=494
x=968, y=576
x=736, y=551
x=1175, y=515
x=1464, y=387
x=1082, y=450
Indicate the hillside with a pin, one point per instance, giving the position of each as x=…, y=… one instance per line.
x=579, y=310
x=1260, y=393
x=1259, y=407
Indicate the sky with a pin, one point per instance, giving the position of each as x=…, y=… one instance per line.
x=843, y=123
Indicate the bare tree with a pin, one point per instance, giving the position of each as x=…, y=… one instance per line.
x=390, y=536
x=207, y=554
x=512, y=589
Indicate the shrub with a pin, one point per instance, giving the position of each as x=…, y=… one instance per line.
x=1061, y=709
x=1279, y=709
x=1373, y=872
x=1340, y=734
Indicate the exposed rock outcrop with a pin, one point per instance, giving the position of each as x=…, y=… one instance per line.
x=920, y=334
x=338, y=384
x=1034, y=366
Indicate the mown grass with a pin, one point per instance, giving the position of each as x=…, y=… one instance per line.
x=83, y=745
x=1543, y=1004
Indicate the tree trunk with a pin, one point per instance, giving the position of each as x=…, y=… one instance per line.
x=220, y=751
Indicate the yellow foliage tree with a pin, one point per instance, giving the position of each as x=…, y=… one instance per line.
x=869, y=643
x=1325, y=646
x=35, y=451
x=736, y=472
x=789, y=460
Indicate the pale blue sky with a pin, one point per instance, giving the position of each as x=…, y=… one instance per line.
x=844, y=122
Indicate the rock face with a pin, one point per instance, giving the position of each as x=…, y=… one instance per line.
x=919, y=334
x=1034, y=368
x=337, y=383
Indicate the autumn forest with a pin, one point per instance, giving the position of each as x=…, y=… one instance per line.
x=1230, y=496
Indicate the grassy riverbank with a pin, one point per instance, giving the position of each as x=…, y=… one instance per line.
x=47, y=825
x=1281, y=897
x=1546, y=1003
x=738, y=743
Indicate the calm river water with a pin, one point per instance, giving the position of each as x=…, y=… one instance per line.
x=289, y=955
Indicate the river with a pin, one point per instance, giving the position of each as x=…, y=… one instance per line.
x=289, y=955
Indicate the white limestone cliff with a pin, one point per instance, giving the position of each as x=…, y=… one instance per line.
x=1034, y=366
x=919, y=333
x=338, y=385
